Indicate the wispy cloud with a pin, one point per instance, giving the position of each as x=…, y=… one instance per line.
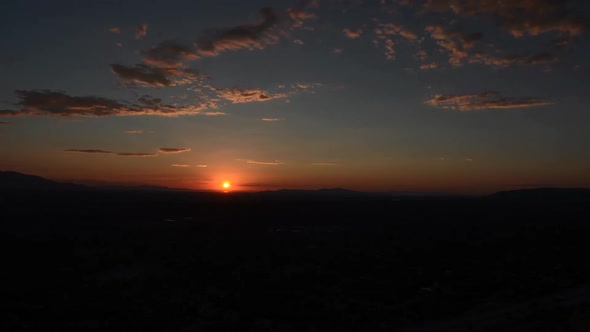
x=173, y=150
x=484, y=100
x=133, y=132
x=115, y=30
x=121, y=154
x=429, y=66
x=201, y=166
x=263, y=162
x=3, y=123
x=271, y=119
x=141, y=31
x=136, y=154
x=180, y=165
x=89, y=151
x=324, y=164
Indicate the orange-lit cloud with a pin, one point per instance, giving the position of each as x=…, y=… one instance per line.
x=174, y=150
x=353, y=33
x=429, y=66
x=201, y=166
x=147, y=75
x=57, y=103
x=484, y=100
x=133, y=132
x=141, y=31
x=180, y=165
x=115, y=30
x=236, y=95
x=263, y=162
x=271, y=119
x=248, y=36
x=168, y=54
x=519, y=17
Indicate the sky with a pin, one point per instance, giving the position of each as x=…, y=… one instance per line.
x=459, y=96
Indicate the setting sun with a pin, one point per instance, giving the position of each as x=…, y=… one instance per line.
x=226, y=185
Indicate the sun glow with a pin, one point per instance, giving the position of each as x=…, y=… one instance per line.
x=226, y=185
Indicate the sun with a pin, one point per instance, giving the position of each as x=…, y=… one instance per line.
x=226, y=185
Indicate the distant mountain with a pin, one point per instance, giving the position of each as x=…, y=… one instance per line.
x=18, y=181
x=320, y=193
x=545, y=194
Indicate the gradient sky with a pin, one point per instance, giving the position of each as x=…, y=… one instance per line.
x=468, y=96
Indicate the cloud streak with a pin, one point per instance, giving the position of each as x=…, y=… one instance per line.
x=121, y=154
x=484, y=100
x=263, y=162
x=173, y=150
x=58, y=103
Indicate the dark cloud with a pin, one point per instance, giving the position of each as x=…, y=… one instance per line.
x=248, y=36
x=57, y=103
x=168, y=54
x=484, y=100
x=136, y=154
x=3, y=123
x=174, y=150
x=141, y=31
x=263, y=162
x=122, y=154
x=89, y=151
x=147, y=75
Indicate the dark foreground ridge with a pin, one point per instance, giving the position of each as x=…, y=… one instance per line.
x=120, y=260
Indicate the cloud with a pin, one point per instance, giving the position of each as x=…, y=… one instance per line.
x=122, y=154
x=324, y=164
x=384, y=37
x=248, y=36
x=467, y=159
x=89, y=151
x=115, y=30
x=173, y=150
x=201, y=166
x=3, y=123
x=263, y=162
x=180, y=165
x=298, y=42
x=353, y=33
x=136, y=154
x=152, y=76
x=484, y=100
x=298, y=14
x=133, y=132
x=168, y=54
x=271, y=119
x=519, y=17
x=455, y=41
x=429, y=66
x=141, y=31
x=237, y=95
x=57, y=103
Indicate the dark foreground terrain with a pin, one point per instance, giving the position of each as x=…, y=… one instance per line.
x=93, y=260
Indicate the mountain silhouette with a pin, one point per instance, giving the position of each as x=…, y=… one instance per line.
x=544, y=194
x=10, y=180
